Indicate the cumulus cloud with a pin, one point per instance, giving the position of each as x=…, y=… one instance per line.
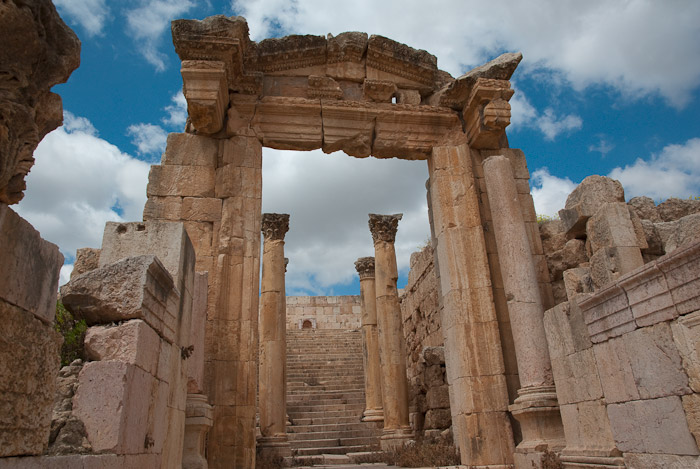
x=603, y=146
x=78, y=183
x=674, y=172
x=149, y=139
x=90, y=14
x=177, y=111
x=329, y=198
x=549, y=192
x=524, y=114
x=148, y=23
x=630, y=46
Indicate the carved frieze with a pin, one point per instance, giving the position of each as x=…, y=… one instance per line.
x=487, y=113
x=289, y=52
x=275, y=225
x=380, y=91
x=323, y=87
x=206, y=91
x=365, y=267
x=384, y=227
x=401, y=60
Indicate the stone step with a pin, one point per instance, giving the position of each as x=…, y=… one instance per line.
x=302, y=421
x=312, y=394
x=331, y=450
x=344, y=433
x=311, y=400
x=326, y=408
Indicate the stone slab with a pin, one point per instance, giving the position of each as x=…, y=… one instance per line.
x=133, y=342
x=190, y=150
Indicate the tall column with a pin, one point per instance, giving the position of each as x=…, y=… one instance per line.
x=397, y=429
x=273, y=325
x=536, y=407
x=473, y=354
x=373, y=386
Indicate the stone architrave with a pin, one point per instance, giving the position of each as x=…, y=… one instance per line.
x=374, y=412
x=536, y=407
x=273, y=357
x=473, y=352
x=397, y=429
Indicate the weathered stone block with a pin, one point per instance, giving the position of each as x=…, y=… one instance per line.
x=113, y=400
x=30, y=266
x=686, y=335
x=577, y=281
x=195, y=364
x=611, y=226
x=607, y=313
x=652, y=426
x=162, y=208
x=691, y=406
x=183, y=181
x=29, y=362
x=655, y=461
x=190, y=150
x=645, y=208
x=206, y=90
x=242, y=152
x=586, y=427
x=649, y=296
x=86, y=259
x=680, y=270
x=608, y=264
x=201, y=209
x=586, y=199
x=438, y=418
x=615, y=371
x=133, y=288
x=133, y=342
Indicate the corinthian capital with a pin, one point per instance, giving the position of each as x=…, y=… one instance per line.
x=383, y=227
x=275, y=225
x=365, y=267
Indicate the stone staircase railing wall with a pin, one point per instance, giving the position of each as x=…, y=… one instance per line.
x=324, y=312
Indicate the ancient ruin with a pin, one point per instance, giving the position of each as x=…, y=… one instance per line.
x=573, y=341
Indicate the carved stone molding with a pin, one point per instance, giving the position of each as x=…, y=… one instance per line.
x=487, y=113
x=206, y=91
x=383, y=227
x=380, y=91
x=365, y=267
x=275, y=225
x=323, y=87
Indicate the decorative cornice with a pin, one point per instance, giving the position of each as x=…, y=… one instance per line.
x=383, y=227
x=275, y=225
x=365, y=267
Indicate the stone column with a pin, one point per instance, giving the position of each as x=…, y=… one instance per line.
x=397, y=429
x=473, y=353
x=198, y=420
x=273, y=356
x=536, y=407
x=373, y=386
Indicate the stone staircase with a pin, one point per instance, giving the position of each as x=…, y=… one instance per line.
x=325, y=394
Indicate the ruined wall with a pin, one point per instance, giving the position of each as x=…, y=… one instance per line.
x=324, y=312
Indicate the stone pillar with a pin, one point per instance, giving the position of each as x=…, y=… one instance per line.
x=536, y=407
x=273, y=325
x=397, y=429
x=374, y=411
x=198, y=420
x=473, y=354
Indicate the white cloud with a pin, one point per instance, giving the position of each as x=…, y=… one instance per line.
x=90, y=14
x=177, y=112
x=329, y=198
x=64, y=277
x=603, y=147
x=674, y=172
x=79, y=182
x=524, y=114
x=637, y=47
x=148, y=23
x=148, y=138
x=549, y=192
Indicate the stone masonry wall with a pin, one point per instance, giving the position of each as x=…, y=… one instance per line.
x=324, y=312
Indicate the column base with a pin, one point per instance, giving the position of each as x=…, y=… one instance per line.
x=274, y=446
x=395, y=438
x=591, y=458
x=537, y=411
x=373, y=415
x=198, y=421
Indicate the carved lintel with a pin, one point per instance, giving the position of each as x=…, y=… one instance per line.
x=365, y=267
x=323, y=87
x=380, y=91
x=206, y=90
x=487, y=113
x=383, y=227
x=275, y=225
x=286, y=53
x=388, y=56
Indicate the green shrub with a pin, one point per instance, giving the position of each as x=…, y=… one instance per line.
x=73, y=332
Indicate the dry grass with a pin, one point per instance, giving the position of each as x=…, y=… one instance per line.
x=424, y=453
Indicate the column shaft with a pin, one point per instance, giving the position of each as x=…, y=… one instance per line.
x=473, y=354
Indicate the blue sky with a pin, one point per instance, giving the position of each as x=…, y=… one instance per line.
x=605, y=87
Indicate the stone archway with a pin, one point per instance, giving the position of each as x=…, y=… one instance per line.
x=365, y=96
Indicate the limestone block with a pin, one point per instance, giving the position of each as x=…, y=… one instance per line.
x=195, y=364
x=655, y=461
x=612, y=226
x=553, y=235
x=648, y=295
x=486, y=394
x=607, y=264
x=654, y=245
x=680, y=270
x=571, y=255
x=202, y=236
x=133, y=288
x=288, y=123
x=686, y=336
x=615, y=371
x=483, y=427
x=113, y=400
x=607, y=313
x=30, y=266
x=29, y=362
x=586, y=427
x=674, y=209
x=86, y=259
x=558, y=331
x=434, y=355
x=577, y=378
x=408, y=97
x=132, y=342
x=242, y=152
x=180, y=180
x=577, y=280
x=379, y=91
x=652, y=426
x=438, y=418
x=644, y=208
x=190, y=150
x=691, y=406
x=163, y=208
x=585, y=200
x=166, y=240
x=201, y=209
